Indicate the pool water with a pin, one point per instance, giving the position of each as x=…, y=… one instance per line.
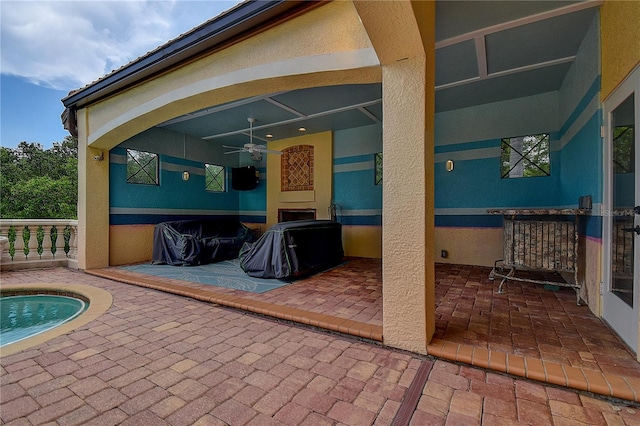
x=25, y=316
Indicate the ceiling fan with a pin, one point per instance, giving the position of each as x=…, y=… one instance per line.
x=255, y=150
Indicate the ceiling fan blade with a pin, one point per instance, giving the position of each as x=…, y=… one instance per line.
x=262, y=148
x=236, y=151
x=233, y=147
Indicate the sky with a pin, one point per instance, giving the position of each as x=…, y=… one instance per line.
x=48, y=48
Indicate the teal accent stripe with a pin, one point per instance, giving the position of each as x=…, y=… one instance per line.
x=353, y=167
x=593, y=91
x=180, y=161
x=468, y=155
x=353, y=159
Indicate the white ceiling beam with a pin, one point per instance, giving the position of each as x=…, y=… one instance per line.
x=368, y=114
x=298, y=119
x=284, y=107
x=508, y=72
x=213, y=110
x=576, y=7
x=481, y=54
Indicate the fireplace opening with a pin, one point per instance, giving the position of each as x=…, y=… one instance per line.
x=287, y=215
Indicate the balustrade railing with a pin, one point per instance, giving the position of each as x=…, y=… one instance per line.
x=38, y=243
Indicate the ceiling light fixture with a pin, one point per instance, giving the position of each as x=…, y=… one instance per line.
x=255, y=150
x=268, y=136
x=302, y=129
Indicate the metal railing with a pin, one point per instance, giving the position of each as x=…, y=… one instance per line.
x=38, y=243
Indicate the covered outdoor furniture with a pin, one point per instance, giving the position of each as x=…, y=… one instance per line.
x=197, y=242
x=540, y=240
x=294, y=249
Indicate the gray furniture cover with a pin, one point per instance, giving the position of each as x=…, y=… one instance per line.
x=294, y=249
x=197, y=242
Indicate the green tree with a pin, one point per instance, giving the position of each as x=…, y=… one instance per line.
x=525, y=156
x=39, y=184
x=623, y=143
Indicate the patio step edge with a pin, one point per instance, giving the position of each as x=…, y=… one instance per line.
x=611, y=385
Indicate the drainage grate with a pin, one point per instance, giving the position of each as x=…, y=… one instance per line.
x=412, y=396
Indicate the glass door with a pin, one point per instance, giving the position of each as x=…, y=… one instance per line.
x=621, y=236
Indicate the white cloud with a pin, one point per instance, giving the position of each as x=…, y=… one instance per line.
x=67, y=44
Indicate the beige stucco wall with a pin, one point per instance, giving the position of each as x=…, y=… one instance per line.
x=130, y=244
x=403, y=35
x=469, y=246
x=362, y=241
x=93, y=202
x=407, y=232
x=329, y=41
x=620, y=30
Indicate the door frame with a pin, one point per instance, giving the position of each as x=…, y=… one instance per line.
x=614, y=311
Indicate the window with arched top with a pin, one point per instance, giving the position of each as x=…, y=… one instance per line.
x=297, y=168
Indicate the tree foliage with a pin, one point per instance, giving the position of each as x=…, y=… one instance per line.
x=623, y=143
x=39, y=184
x=525, y=156
x=142, y=167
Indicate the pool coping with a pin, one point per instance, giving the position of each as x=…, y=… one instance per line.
x=99, y=300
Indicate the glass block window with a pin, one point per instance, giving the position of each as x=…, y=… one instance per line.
x=378, y=167
x=214, y=178
x=525, y=156
x=142, y=167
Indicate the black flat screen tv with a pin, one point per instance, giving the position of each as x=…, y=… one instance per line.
x=244, y=178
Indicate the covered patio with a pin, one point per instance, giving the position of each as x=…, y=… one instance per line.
x=442, y=94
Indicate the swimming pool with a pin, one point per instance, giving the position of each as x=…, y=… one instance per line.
x=24, y=316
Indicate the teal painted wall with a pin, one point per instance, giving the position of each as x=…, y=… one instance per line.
x=471, y=138
x=252, y=204
x=173, y=198
x=581, y=117
x=358, y=198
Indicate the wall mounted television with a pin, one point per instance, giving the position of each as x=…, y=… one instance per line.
x=244, y=178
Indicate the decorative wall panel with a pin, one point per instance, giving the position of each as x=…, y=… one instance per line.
x=297, y=168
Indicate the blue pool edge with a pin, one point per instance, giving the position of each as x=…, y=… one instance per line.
x=99, y=301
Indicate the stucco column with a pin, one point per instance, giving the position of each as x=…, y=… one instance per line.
x=93, y=201
x=403, y=36
x=407, y=218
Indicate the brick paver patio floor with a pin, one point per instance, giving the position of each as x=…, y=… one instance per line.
x=155, y=358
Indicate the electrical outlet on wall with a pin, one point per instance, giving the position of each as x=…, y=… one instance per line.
x=444, y=254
